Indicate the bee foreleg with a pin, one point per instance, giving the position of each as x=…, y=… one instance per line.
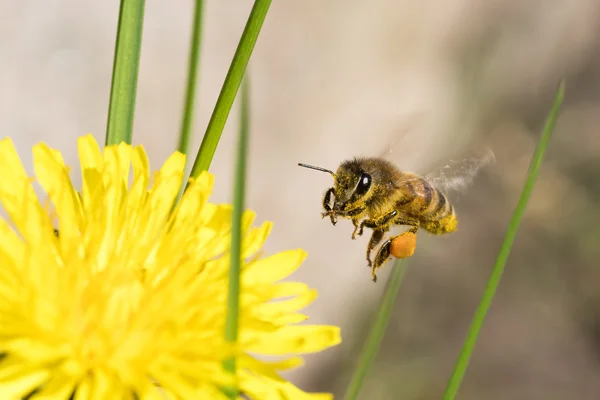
x=381, y=223
x=355, y=223
x=327, y=200
x=332, y=217
x=333, y=214
x=373, y=242
x=327, y=207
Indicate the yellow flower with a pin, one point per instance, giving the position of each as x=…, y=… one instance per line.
x=129, y=300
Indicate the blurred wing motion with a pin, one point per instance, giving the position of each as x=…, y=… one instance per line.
x=457, y=175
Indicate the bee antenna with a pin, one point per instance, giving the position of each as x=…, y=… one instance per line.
x=317, y=168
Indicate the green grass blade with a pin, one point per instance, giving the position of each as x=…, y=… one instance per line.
x=239, y=192
x=125, y=72
x=192, y=80
x=230, y=87
x=490, y=290
x=371, y=347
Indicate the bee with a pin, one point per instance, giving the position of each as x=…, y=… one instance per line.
x=374, y=193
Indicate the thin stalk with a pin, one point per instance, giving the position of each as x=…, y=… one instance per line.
x=125, y=72
x=192, y=80
x=490, y=290
x=230, y=87
x=239, y=193
x=371, y=346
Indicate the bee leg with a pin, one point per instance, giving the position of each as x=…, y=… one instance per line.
x=384, y=253
x=327, y=199
x=352, y=214
x=414, y=224
x=381, y=258
x=332, y=216
x=355, y=223
x=327, y=207
x=379, y=224
x=373, y=242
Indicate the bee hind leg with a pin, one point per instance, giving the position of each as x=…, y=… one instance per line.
x=385, y=251
x=383, y=255
x=414, y=224
x=373, y=242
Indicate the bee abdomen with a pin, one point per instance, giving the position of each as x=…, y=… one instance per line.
x=439, y=206
x=430, y=194
x=425, y=203
x=440, y=216
x=448, y=222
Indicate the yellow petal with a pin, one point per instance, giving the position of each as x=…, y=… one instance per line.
x=291, y=305
x=275, y=267
x=166, y=187
x=268, y=368
x=268, y=389
x=115, y=175
x=193, y=202
x=288, y=319
x=283, y=312
x=12, y=249
x=255, y=239
x=99, y=386
x=59, y=386
x=297, y=339
x=92, y=165
x=17, y=382
x=90, y=156
x=141, y=175
x=19, y=199
x=53, y=176
x=220, y=219
x=177, y=384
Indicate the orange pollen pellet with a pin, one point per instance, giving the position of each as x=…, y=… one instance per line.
x=404, y=245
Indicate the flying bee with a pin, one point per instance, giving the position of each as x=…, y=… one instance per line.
x=374, y=193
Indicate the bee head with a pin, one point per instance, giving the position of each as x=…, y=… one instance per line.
x=350, y=182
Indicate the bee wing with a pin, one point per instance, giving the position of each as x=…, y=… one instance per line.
x=455, y=175
x=458, y=174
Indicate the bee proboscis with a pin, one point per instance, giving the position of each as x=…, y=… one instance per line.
x=374, y=193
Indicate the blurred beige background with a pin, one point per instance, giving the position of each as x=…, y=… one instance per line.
x=335, y=79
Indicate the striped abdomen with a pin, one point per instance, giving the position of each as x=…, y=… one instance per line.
x=428, y=205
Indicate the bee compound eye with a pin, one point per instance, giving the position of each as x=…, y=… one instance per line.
x=364, y=183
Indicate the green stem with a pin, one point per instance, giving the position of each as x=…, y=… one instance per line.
x=371, y=347
x=490, y=290
x=192, y=79
x=230, y=87
x=125, y=72
x=239, y=192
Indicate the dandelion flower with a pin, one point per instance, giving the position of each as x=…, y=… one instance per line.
x=129, y=299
